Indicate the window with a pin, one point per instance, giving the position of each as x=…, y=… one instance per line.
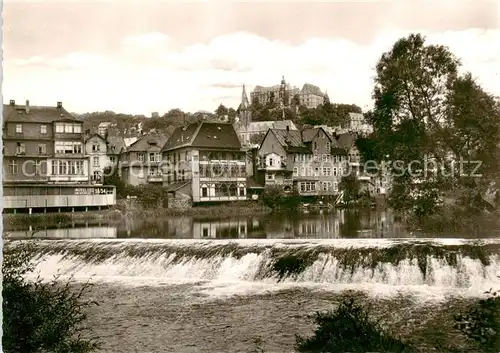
x=67, y=168
x=302, y=171
x=95, y=147
x=152, y=157
x=270, y=162
x=295, y=171
x=307, y=186
x=68, y=128
x=42, y=149
x=20, y=148
x=38, y=168
x=96, y=175
x=328, y=146
x=152, y=172
x=204, y=191
x=242, y=191
x=334, y=171
x=68, y=147
x=95, y=161
x=205, y=232
x=270, y=176
x=112, y=159
x=19, y=128
x=13, y=167
x=43, y=129
x=335, y=186
x=327, y=171
x=140, y=157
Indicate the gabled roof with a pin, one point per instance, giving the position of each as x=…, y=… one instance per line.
x=311, y=89
x=146, y=141
x=94, y=135
x=36, y=114
x=346, y=140
x=291, y=140
x=116, y=144
x=204, y=135
x=310, y=134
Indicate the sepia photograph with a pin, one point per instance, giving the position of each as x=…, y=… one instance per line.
x=250, y=177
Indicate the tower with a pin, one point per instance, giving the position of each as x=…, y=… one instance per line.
x=245, y=113
x=326, y=99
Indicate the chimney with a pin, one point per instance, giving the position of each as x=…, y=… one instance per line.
x=27, y=106
x=12, y=102
x=59, y=104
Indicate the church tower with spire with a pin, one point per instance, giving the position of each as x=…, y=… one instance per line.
x=244, y=108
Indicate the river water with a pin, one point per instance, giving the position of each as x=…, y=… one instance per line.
x=248, y=284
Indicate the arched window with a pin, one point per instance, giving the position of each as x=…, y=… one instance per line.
x=242, y=190
x=204, y=190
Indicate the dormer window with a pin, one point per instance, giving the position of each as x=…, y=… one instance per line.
x=95, y=147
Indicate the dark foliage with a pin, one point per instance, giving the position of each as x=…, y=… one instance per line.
x=40, y=316
x=275, y=198
x=349, y=329
x=482, y=323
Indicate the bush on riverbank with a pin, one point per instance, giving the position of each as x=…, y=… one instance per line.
x=41, y=317
x=481, y=323
x=349, y=329
x=275, y=198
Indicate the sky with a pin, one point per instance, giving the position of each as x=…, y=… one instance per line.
x=140, y=57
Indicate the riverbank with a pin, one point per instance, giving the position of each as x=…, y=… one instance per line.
x=123, y=210
x=196, y=322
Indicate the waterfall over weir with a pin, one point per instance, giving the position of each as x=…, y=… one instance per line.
x=471, y=266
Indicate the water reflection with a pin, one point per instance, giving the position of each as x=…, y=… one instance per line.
x=337, y=224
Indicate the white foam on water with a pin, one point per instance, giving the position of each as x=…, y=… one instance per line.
x=225, y=275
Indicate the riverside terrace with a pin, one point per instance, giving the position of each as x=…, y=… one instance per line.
x=35, y=198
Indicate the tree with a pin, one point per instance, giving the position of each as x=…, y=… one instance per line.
x=38, y=316
x=422, y=112
x=111, y=177
x=350, y=185
x=221, y=111
x=273, y=196
x=257, y=138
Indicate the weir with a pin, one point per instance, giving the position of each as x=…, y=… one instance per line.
x=444, y=264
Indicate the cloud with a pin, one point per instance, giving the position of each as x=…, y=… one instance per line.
x=147, y=40
x=149, y=74
x=225, y=85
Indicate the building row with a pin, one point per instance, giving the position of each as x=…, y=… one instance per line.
x=199, y=162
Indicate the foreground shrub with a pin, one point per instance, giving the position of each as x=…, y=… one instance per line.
x=349, y=329
x=482, y=323
x=37, y=316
